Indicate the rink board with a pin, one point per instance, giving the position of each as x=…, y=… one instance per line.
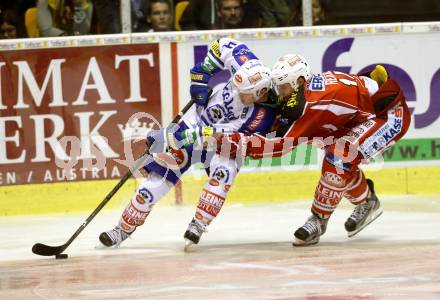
x=164, y=59
x=249, y=188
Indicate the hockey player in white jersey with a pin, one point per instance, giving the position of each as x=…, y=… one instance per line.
x=245, y=104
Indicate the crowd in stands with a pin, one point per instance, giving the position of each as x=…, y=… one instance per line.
x=44, y=18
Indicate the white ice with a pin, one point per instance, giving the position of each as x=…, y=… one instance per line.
x=246, y=253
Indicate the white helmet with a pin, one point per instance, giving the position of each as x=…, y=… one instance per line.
x=252, y=78
x=288, y=69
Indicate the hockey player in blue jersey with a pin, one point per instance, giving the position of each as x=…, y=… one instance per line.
x=245, y=104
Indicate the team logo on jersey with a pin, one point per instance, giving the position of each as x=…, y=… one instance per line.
x=215, y=113
x=221, y=174
x=316, y=83
x=146, y=194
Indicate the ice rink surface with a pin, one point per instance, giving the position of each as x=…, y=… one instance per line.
x=247, y=254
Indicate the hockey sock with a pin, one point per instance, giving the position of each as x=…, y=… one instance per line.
x=357, y=192
x=139, y=207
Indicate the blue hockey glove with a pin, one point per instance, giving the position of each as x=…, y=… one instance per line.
x=158, y=141
x=199, y=89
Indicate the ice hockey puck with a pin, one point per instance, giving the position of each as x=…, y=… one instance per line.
x=61, y=256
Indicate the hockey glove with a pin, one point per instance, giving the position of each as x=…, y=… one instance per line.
x=199, y=89
x=159, y=141
x=192, y=136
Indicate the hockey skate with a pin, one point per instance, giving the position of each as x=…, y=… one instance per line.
x=309, y=233
x=193, y=233
x=114, y=237
x=364, y=213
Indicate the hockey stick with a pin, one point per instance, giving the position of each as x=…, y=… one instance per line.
x=45, y=250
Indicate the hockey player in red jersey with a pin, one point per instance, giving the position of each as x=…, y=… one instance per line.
x=354, y=117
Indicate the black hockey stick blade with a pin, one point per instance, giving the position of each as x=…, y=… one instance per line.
x=45, y=250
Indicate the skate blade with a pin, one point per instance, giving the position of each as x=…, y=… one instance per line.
x=373, y=217
x=188, y=245
x=300, y=243
x=101, y=246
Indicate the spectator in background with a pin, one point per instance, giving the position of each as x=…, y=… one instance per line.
x=199, y=15
x=11, y=26
x=108, y=15
x=138, y=14
x=319, y=13
x=159, y=16
x=220, y=14
x=64, y=17
x=276, y=13
x=230, y=14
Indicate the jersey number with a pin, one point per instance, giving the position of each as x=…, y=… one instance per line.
x=350, y=82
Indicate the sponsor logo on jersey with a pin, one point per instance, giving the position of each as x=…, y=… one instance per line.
x=293, y=101
x=209, y=64
x=140, y=199
x=133, y=216
x=228, y=103
x=354, y=134
x=334, y=179
x=210, y=203
x=214, y=182
x=146, y=194
x=316, y=83
x=259, y=117
x=215, y=48
x=196, y=77
x=238, y=78
x=385, y=135
x=327, y=198
x=244, y=112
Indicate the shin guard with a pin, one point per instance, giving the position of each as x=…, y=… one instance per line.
x=139, y=207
